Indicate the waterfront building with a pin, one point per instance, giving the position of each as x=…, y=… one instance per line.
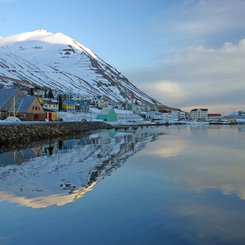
x=107, y=114
x=214, y=116
x=50, y=105
x=155, y=115
x=28, y=108
x=13, y=102
x=199, y=114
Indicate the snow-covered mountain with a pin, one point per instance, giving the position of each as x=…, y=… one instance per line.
x=56, y=61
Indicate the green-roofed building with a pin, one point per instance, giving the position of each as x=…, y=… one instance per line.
x=108, y=115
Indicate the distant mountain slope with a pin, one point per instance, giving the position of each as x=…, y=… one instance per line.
x=59, y=62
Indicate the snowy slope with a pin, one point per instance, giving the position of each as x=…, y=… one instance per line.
x=59, y=62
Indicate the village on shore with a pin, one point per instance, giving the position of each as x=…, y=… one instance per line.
x=42, y=104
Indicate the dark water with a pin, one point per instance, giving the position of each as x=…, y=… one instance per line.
x=163, y=185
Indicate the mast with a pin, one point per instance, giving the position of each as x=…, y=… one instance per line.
x=14, y=108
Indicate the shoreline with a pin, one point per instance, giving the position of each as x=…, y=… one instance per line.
x=17, y=136
x=13, y=136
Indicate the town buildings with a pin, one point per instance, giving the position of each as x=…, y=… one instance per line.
x=44, y=104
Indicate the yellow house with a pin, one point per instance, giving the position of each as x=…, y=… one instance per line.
x=68, y=105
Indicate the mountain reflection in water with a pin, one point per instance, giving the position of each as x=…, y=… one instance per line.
x=60, y=172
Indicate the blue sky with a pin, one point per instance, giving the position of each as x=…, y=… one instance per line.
x=185, y=53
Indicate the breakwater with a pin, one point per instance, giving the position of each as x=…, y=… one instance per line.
x=15, y=135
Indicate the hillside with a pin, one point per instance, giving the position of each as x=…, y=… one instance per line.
x=61, y=63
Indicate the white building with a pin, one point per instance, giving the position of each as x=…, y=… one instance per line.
x=155, y=115
x=50, y=105
x=199, y=114
x=175, y=115
x=183, y=115
x=127, y=116
x=99, y=102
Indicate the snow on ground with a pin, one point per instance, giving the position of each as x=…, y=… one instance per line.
x=124, y=117
x=77, y=116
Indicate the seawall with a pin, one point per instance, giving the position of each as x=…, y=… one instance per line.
x=14, y=135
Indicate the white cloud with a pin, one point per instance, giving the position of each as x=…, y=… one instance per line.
x=203, y=17
x=226, y=173
x=164, y=150
x=202, y=76
x=169, y=90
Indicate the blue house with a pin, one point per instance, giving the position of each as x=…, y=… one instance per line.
x=82, y=106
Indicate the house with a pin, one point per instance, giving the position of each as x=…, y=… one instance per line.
x=127, y=116
x=238, y=116
x=51, y=115
x=175, y=115
x=107, y=114
x=183, y=115
x=68, y=106
x=82, y=106
x=133, y=98
x=154, y=115
x=99, y=102
x=50, y=105
x=199, y=114
x=214, y=116
x=14, y=103
x=241, y=113
x=7, y=101
x=28, y=108
x=136, y=108
x=178, y=115
x=39, y=92
x=163, y=110
x=77, y=97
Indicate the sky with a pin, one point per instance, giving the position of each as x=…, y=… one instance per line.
x=185, y=53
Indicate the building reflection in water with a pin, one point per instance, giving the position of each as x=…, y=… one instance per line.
x=60, y=172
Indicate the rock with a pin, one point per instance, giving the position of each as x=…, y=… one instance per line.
x=15, y=135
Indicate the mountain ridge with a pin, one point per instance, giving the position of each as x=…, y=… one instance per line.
x=59, y=62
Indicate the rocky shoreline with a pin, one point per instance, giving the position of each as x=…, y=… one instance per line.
x=16, y=135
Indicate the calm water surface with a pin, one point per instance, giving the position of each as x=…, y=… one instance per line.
x=163, y=185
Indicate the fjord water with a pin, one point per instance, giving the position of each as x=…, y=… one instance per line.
x=157, y=185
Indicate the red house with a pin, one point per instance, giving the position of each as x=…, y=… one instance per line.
x=214, y=116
